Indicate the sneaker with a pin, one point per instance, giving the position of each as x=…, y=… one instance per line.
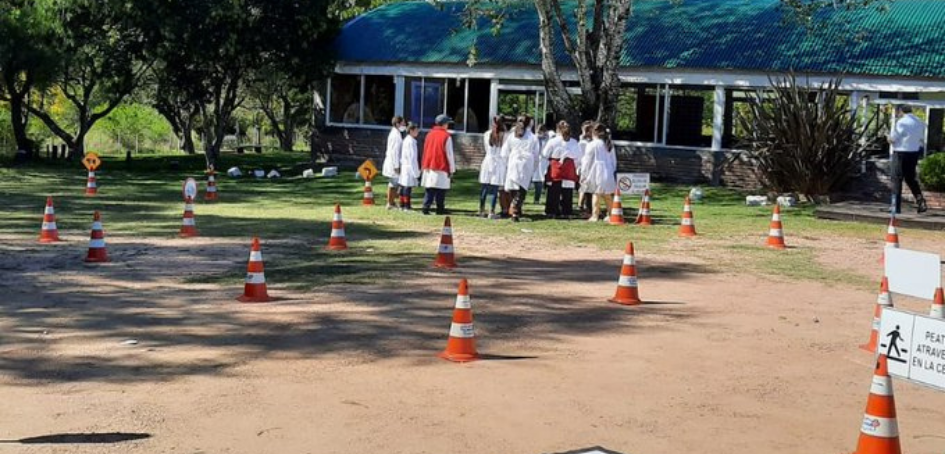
x=593, y=219
x=426, y=211
x=514, y=218
x=390, y=207
x=922, y=206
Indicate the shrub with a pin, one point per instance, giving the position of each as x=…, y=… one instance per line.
x=932, y=172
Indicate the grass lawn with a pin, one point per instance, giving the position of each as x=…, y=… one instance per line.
x=292, y=215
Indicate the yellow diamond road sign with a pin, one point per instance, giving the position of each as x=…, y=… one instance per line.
x=91, y=161
x=367, y=170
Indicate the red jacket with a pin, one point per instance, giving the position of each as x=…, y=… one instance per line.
x=434, y=150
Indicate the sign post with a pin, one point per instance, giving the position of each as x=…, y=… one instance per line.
x=915, y=347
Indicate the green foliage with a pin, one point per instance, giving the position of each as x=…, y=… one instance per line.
x=129, y=122
x=932, y=172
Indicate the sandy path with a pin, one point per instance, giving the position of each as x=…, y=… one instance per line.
x=728, y=364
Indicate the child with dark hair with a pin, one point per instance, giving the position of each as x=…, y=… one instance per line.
x=601, y=171
x=522, y=149
x=492, y=169
x=409, y=166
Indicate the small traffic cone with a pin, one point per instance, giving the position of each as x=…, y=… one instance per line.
x=892, y=237
x=97, y=252
x=188, y=226
x=627, y=291
x=643, y=217
x=776, y=232
x=616, y=210
x=938, y=305
x=337, y=240
x=368, y=194
x=461, y=347
x=91, y=185
x=884, y=300
x=879, y=432
x=211, y=194
x=445, y=257
x=49, y=233
x=687, y=228
x=255, y=289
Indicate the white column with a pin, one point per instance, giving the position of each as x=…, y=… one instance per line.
x=666, y=102
x=493, y=99
x=327, y=103
x=718, y=118
x=399, y=92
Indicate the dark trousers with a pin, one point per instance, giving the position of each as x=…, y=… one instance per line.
x=539, y=186
x=559, y=200
x=904, y=165
x=485, y=192
x=432, y=195
x=518, y=199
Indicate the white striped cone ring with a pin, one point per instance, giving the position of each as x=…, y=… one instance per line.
x=255, y=278
x=97, y=243
x=629, y=260
x=775, y=232
x=463, y=302
x=880, y=427
x=445, y=249
x=255, y=256
x=462, y=330
x=627, y=281
x=337, y=233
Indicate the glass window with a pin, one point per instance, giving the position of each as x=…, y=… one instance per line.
x=378, y=100
x=639, y=119
x=690, y=116
x=424, y=99
x=456, y=102
x=477, y=119
x=345, y=99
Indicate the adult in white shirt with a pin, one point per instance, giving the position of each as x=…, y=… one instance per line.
x=601, y=173
x=522, y=149
x=391, y=167
x=907, y=139
x=492, y=169
x=563, y=152
x=438, y=165
x=409, y=166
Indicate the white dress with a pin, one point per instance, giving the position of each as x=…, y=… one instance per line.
x=543, y=163
x=392, y=157
x=492, y=163
x=582, y=163
x=409, y=166
x=523, y=155
x=601, y=168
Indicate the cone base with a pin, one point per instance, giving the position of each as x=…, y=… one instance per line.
x=776, y=246
x=621, y=222
x=644, y=223
x=367, y=203
x=254, y=299
x=459, y=357
x=90, y=195
x=444, y=265
x=626, y=301
x=49, y=240
x=336, y=248
x=188, y=234
x=867, y=347
x=96, y=259
x=687, y=234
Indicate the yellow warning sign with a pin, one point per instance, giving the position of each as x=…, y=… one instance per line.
x=91, y=161
x=368, y=170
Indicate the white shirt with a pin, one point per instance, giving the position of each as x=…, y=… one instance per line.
x=395, y=142
x=909, y=134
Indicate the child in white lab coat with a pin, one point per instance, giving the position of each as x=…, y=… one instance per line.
x=492, y=170
x=409, y=166
x=391, y=166
x=600, y=174
x=522, y=149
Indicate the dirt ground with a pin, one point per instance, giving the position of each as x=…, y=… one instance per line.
x=716, y=363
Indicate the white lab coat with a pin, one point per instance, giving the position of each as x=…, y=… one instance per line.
x=409, y=164
x=543, y=163
x=395, y=143
x=600, y=170
x=492, y=170
x=523, y=156
x=909, y=134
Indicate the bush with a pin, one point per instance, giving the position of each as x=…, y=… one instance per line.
x=932, y=172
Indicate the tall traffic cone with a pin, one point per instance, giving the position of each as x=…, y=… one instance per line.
x=884, y=300
x=368, y=193
x=255, y=289
x=627, y=291
x=445, y=257
x=461, y=347
x=188, y=227
x=91, y=185
x=879, y=432
x=211, y=194
x=616, y=210
x=49, y=233
x=97, y=252
x=643, y=217
x=938, y=305
x=892, y=237
x=337, y=240
x=776, y=232
x=688, y=227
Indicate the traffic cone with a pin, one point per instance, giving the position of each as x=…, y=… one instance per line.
x=884, y=300
x=97, y=252
x=879, y=432
x=368, y=194
x=91, y=185
x=616, y=210
x=49, y=233
x=687, y=228
x=255, y=289
x=938, y=305
x=643, y=217
x=188, y=226
x=211, y=194
x=461, y=347
x=337, y=240
x=776, y=232
x=444, y=255
x=627, y=291
x=892, y=237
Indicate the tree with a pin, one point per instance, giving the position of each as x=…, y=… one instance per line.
x=130, y=123
x=285, y=105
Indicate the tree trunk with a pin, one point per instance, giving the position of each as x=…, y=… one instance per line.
x=187, y=142
x=19, y=120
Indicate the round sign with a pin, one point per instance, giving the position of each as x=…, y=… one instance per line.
x=190, y=189
x=91, y=161
x=625, y=184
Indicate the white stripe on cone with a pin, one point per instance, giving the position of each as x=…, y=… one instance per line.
x=775, y=232
x=49, y=226
x=629, y=260
x=644, y=211
x=188, y=221
x=463, y=302
x=938, y=311
x=775, y=217
x=337, y=233
x=448, y=231
x=446, y=249
x=462, y=330
x=687, y=221
x=50, y=210
x=337, y=217
x=882, y=386
x=627, y=281
x=255, y=278
x=880, y=427
x=255, y=256
x=617, y=212
x=97, y=243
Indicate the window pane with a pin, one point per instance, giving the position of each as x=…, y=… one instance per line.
x=434, y=92
x=345, y=99
x=478, y=114
x=378, y=100
x=455, y=102
x=637, y=114
x=690, y=117
x=412, y=89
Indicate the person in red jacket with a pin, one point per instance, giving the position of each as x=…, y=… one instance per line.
x=438, y=165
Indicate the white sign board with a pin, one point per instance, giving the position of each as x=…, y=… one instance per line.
x=633, y=183
x=190, y=188
x=914, y=346
x=913, y=273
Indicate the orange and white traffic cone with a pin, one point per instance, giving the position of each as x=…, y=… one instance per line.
x=254, y=291
x=368, y=193
x=616, y=210
x=461, y=347
x=883, y=301
x=643, y=217
x=97, y=252
x=337, y=240
x=938, y=305
x=879, y=431
x=188, y=227
x=892, y=237
x=776, y=231
x=49, y=232
x=445, y=257
x=211, y=194
x=688, y=227
x=91, y=185
x=627, y=292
